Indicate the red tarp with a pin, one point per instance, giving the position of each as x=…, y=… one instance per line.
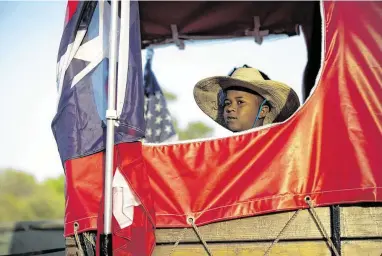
x=330, y=149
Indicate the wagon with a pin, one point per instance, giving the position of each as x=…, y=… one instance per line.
x=310, y=185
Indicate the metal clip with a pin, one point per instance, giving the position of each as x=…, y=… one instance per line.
x=175, y=36
x=257, y=33
x=111, y=114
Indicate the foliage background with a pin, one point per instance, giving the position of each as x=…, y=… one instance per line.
x=23, y=198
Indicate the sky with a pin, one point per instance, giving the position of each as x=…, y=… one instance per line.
x=30, y=34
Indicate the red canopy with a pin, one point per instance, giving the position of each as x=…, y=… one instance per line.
x=329, y=150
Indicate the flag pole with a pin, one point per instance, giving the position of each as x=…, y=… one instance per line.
x=111, y=116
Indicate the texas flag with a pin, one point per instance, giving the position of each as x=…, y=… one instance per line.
x=79, y=126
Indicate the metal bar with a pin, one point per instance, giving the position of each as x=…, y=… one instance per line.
x=335, y=226
x=111, y=116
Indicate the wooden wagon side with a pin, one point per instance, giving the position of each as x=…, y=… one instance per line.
x=360, y=234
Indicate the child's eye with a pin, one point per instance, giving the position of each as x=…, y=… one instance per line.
x=240, y=102
x=226, y=103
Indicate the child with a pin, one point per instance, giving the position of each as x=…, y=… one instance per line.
x=245, y=99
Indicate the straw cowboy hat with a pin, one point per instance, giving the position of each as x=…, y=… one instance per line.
x=209, y=94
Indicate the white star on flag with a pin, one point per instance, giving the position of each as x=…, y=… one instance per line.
x=149, y=115
x=149, y=132
x=158, y=120
x=94, y=50
x=158, y=107
x=168, y=129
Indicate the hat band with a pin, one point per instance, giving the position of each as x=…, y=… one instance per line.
x=243, y=89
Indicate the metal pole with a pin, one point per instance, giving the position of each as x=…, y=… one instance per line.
x=335, y=226
x=111, y=116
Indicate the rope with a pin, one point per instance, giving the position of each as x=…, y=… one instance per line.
x=177, y=241
x=320, y=225
x=191, y=221
x=277, y=239
x=89, y=238
x=281, y=232
x=76, y=226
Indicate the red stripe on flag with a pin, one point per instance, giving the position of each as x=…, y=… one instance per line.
x=70, y=10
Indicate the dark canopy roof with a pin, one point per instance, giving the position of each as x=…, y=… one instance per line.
x=219, y=19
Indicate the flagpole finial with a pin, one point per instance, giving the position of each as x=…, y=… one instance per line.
x=149, y=54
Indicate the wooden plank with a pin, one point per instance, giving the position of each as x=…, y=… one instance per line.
x=247, y=249
x=362, y=248
x=265, y=227
x=357, y=221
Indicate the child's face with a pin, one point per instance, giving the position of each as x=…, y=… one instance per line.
x=240, y=110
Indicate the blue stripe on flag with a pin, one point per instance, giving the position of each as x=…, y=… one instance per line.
x=79, y=127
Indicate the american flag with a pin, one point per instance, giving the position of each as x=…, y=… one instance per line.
x=159, y=126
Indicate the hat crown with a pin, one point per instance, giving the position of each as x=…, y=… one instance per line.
x=247, y=74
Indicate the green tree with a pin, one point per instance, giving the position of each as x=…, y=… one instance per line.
x=56, y=184
x=193, y=130
x=170, y=97
x=23, y=198
x=17, y=183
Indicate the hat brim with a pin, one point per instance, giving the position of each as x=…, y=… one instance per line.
x=208, y=94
